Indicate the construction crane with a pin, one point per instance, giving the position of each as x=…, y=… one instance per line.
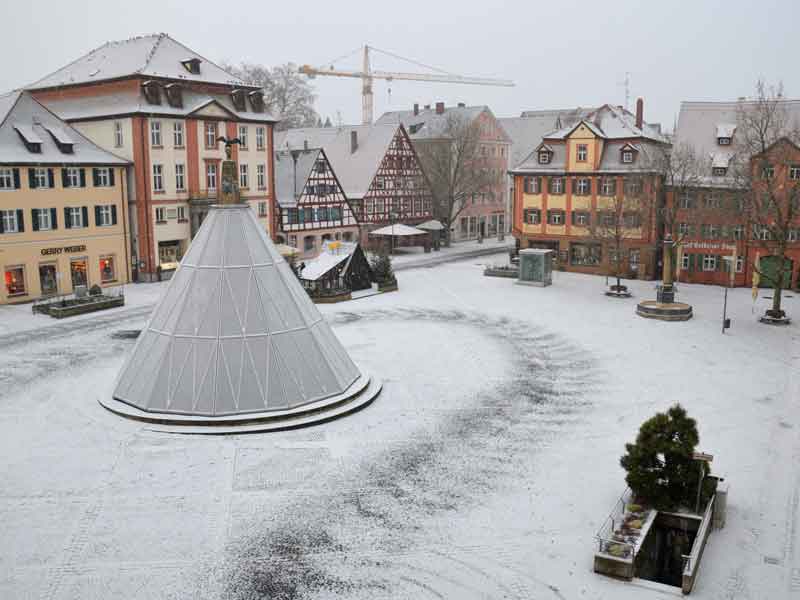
x=367, y=75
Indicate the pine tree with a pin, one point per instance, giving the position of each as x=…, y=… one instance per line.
x=382, y=270
x=660, y=469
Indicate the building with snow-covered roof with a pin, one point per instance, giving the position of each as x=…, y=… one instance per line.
x=707, y=226
x=63, y=205
x=486, y=212
x=163, y=106
x=579, y=167
x=341, y=267
x=377, y=167
x=312, y=207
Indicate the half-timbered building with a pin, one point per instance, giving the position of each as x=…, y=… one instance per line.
x=312, y=206
x=378, y=168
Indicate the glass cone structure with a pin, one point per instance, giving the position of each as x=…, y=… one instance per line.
x=236, y=339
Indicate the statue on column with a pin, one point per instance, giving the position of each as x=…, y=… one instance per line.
x=229, y=187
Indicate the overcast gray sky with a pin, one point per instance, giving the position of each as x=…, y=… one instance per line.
x=559, y=53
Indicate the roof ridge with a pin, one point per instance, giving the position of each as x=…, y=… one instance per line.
x=233, y=77
x=10, y=108
x=159, y=38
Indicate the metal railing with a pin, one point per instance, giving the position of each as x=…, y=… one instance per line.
x=608, y=540
x=691, y=560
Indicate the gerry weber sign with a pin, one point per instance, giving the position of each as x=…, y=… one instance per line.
x=63, y=250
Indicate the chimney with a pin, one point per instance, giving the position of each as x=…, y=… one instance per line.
x=639, y=113
x=416, y=109
x=440, y=108
x=461, y=105
x=353, y=142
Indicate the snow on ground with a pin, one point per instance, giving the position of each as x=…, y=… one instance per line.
x=483, y=470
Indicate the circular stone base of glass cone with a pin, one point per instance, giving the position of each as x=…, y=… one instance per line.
x=664, y=311
x=360, y=393
x=613, y=294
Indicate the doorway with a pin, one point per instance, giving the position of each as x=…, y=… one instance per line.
x=48, y=279
x=78, y=272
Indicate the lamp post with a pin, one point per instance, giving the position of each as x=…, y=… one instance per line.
x=392, y=219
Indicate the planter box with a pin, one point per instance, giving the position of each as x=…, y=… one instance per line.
x=495, y=272
x=102, y=303
x=332, y=298
x=388, y=287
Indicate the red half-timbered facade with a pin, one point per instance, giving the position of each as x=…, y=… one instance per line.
x=312, y=205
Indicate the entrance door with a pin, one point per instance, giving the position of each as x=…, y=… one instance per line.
x=770, y=267
x=79, y=272
x=48, y=280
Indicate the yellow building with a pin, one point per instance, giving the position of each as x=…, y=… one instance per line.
x=63, y=206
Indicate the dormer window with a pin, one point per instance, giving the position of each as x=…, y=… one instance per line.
x=174, y=95
x=627, y=156
x=192, y=65
x=724, y=141
x=151, y=92
x=583, y=152
x=29, y=137
x=719, y=171
x=62, y=139
x=238, y=99
x=544, y=157
x=725, y=133
x=257, y=101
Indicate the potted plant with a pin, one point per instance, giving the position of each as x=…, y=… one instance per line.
x=383, y=273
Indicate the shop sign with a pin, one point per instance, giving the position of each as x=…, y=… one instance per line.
x=709, y=246
x=63, y=250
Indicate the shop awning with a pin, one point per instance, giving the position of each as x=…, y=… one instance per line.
x=397, y=230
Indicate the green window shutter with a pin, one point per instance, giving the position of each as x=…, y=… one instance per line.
x=51, y=181
x=95, y=177
x=16, y=178
x=67, y=224
x=111, y=176
x=85, y=216
x=35, y=219
x=83, y=177
x=64, y=179
x=96, y=216
x=113, y=214
x=53, y=219
x=31, y=179
x=20, y=220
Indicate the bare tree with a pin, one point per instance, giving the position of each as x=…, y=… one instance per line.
x=620, y=219
x=455, y=168
x=683, y=172
x=287, y=93
x=764, y=168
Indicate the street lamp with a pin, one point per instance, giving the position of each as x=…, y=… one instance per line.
x=392, y=218
x=731, y=260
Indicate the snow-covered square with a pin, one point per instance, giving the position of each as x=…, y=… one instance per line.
x=483, y=469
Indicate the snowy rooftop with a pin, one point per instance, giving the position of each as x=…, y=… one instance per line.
x=482, y=471
x=23, y=118
x=151, y=55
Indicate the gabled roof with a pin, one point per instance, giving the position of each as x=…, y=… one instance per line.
x=565, y=132
x=152, y=56
x=332, y=255
x=22, y=116
x=544, y=147
x=629, y=146
x=354, y=170
x=527, y=132
x=292, y=170
x=428, y=124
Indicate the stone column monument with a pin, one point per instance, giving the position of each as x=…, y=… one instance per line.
x=664, y=308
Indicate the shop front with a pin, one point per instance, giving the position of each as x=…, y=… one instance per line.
x=170, y=253
x=34, y=271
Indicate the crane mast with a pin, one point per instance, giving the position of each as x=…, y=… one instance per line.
x=368, y=76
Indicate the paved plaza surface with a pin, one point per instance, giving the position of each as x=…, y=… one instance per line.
x=483, y=470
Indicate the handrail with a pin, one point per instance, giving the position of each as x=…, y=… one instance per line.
x=690, y=561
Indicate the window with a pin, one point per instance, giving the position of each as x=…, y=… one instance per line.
x=532, y=185
x=244, y=177
x=42, y=219
x=544, y=157
x=627, y=156
x=709, y=262
x=7, y=179
x=582, y=186
x=177, y=134
x=9, y=222
x=738, y=232
x=308, y=243
x=73, y=177
x=712, y=200
x=583, y=152
x=685, y=200
x=158, y=178
x=794, y=172
x=768, y=172
x=739, y=264
x=262, y=209
x=105, y=215
x=581, y=219
x=161, y=215
x=713, y=231
x=15, y=281
x=118, y=134
x=555, y=217
x=40, y=178
x=75, y=217
x=211, y=135
x=155, y=134
x=608, y=187
x=180, y=177
x=107, y=270
x=260, y=145
x=243, y=137
x=793, y=235
x=557, y=185
x=683, y=229
x=103, y=177
x=760, y=232
x=607, y=218
x=724, y=141
x=322, y=213
x=180, y=213
x=719, y=171
x=585, y=254
x=633, y=187
x=211, y=177
x=261, y=176
x=532, y=216
x=634, y=257
x=336, y=213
